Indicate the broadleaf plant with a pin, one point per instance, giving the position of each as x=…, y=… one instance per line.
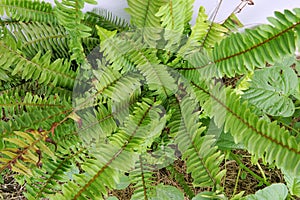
x=91, y=104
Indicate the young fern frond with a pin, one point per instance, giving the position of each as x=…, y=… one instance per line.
x=69, y=15
x=27, y=10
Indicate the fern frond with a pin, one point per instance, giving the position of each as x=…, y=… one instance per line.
x=142, y=178
x=260, y=137
x=49, y=179
x=172, y=14
x=96, y=125
x=159, y=79
x=142, y=13
x=21, y=87
x=146, y=122
x=31, y=111
x=42, y=37
x=105, y=19
x=256, y=47
x=29, y=149
x=94, y=183
x=110, y=84
x=16, y=105
x=232, y=23
x=119, y=155
x=27, y=10
x=197, y=34
x=215, y=34
x=127, y=49
x=202, y=157
x=69, y=15
x=38, y=68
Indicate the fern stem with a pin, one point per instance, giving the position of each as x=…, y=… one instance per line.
x=237, y=181
x=248, y=170
x=261, y=171
x=143, y=178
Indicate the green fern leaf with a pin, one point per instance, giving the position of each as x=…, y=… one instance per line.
x=256, y=47
x=69, y=15
x=143, y=17
x=38, y=68
x=260, y=137
x=42, y=37
x=49, y=179
x=27, y=10
x=104, y=19
x=172, y=14
x=141, y=177
x=202, y=157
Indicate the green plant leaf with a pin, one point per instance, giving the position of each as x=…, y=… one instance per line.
x=209, y=196
x=166, y=192
x=271, y=88
x=277, y=191
x=124, y=182
x=293, y=183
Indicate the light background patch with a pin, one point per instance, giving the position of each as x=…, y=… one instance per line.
x=251, y=15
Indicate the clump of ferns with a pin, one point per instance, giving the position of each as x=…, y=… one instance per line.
x=79, y=130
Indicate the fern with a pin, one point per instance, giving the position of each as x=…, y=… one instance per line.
x=261, y=138
x=105, y=19
x=74, y=129
x=143, y=16
x=142, y=177
x=54, y=173
x=254, y=48
x=32, y=147
x=198, y=149
x=37, y=37
x=69, y=14
x=28, y=11
x=38, y=68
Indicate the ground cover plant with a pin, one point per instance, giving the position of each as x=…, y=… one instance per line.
x=93, y=107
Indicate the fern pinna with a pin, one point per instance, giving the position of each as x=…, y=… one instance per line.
x=76, y=125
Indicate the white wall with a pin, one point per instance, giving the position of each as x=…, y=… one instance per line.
x=250, y=15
